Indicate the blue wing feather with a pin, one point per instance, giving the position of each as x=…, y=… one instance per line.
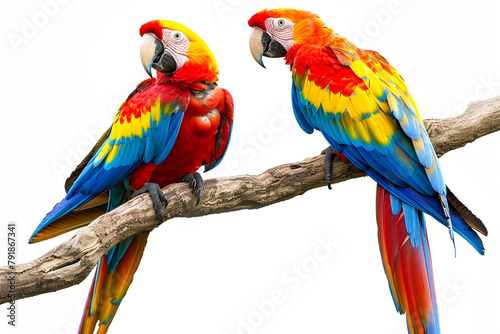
x=62, y=208
x=297, y=110
x=411, y=184
x=100, y=174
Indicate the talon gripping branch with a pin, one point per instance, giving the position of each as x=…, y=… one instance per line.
x=362, y=107
x=163, y=133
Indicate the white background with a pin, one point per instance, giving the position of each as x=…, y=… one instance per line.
x=66, y=79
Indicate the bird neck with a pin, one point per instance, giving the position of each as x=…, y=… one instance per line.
x=188, y=77
x=309, y=33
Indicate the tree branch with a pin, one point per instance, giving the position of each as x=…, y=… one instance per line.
x=69, y=263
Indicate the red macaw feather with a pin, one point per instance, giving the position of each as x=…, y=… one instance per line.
x=408, y=267
x=108, y=289
x=168, y=127
x=364, y=110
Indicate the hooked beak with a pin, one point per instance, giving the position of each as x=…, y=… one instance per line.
x=154, y=55
x=261, y=44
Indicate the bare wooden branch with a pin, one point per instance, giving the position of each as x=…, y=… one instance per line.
x=69, y=263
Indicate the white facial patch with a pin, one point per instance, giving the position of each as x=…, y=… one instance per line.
x=283, y=34
x=178, y=47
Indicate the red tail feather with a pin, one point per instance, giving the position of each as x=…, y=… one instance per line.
x=110, y=288
x=408, y=268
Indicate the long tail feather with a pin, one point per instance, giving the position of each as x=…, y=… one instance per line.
x=114, y=274
x=407, y=262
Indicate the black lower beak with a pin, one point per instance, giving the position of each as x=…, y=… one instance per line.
x=272, y=48
x=163, y=60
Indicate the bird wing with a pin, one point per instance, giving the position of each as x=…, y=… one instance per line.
x=223, y=102
x=144, y=130
x=363, y=108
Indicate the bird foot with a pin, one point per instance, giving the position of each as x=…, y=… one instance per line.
x=157, y=196
x=330, y=154
x=196, y=182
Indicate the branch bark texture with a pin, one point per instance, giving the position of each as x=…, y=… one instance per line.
x=69, y=263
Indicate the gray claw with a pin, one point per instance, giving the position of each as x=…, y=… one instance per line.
x=157, y=196
x=196, y=182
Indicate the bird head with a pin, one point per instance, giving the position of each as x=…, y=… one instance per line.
x=177, y=52
x=280, y=33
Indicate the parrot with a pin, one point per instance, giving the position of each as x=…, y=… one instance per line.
x=362, y=107
x=166, y=129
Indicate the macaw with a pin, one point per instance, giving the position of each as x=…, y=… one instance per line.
x=362, y=106
x=168, y=127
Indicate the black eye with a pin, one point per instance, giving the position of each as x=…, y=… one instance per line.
x=281, y=23
x=177, y=36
